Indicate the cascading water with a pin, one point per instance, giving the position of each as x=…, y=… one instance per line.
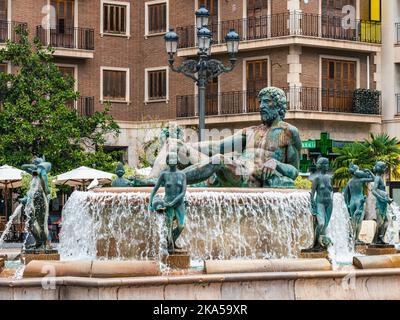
x=219, y=225
x=342, y=249
x=16, y=213
x=392, y=234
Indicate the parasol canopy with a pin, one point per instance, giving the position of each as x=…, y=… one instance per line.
x=10, y=177
x=83, y=176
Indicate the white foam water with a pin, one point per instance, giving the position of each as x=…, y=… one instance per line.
x=218, y=226
x=16, y=213
x=392, y=234
x=339, y=230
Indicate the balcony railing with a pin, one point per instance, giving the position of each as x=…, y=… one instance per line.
x=398, y=32
x=289, y=24
x=299, y=98
x=8, y=30
x=85, y=106
x=67, y=37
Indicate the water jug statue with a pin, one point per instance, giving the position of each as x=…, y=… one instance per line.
x=355, y=199
x=36, y=203
x=382, y=201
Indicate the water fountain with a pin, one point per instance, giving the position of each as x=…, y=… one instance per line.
x=244, y=241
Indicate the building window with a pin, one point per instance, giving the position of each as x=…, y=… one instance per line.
x=257, y=78
x=115, y=84
x=3, y=68
x=3, y=10
x=115, y=18
x=156, y=17
x=339, y=80
x=156, y=84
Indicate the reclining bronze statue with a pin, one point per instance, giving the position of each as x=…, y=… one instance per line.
x=267, y=155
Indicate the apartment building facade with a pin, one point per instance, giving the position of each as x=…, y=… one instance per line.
x=391, y=66
x=318, y=51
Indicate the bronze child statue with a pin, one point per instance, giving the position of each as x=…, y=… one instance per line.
x=120, y=181
x=382, y=201
x=355, y=199
x=174, y=182
x=321, y=205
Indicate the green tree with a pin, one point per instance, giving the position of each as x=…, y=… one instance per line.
x=35, y=118
x=365, y=154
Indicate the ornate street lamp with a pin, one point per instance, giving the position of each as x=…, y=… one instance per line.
x=202, y=16
x=204, y=69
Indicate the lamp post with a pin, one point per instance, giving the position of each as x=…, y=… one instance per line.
x=204, y=69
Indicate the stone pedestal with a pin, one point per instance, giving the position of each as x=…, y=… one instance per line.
x=30, y=255
x=380, y=249
x=178, y=260
x=313, y=254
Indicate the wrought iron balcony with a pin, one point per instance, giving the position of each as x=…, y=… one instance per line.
x=288, y=24
x=299, y=98
x=8, y=30
x=85, y=106
x=67, y=37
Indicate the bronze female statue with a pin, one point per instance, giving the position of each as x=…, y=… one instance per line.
x=174, y=182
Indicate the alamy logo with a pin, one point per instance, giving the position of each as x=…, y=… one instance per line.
x=349, y=20
x=49, y=281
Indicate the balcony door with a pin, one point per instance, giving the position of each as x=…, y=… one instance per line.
x=212, y=7
x=63, y=34
x=212, y=98
x=3, y=20
x=257, y=19
x=339, y=80
x=256, y=79
x=331, y=20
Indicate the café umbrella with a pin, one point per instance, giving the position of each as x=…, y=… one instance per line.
x=10, y=178
x=83, y=176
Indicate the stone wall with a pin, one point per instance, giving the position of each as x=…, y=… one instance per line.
x=326, y=285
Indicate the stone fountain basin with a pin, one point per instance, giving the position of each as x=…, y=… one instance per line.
x=348, y=284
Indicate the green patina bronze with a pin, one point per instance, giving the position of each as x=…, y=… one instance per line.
x=355, y=199
x=120, y=181
x=321, y=204
x=173, y=203
x=382, y=201
x=36, y=202
x=267, y=155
